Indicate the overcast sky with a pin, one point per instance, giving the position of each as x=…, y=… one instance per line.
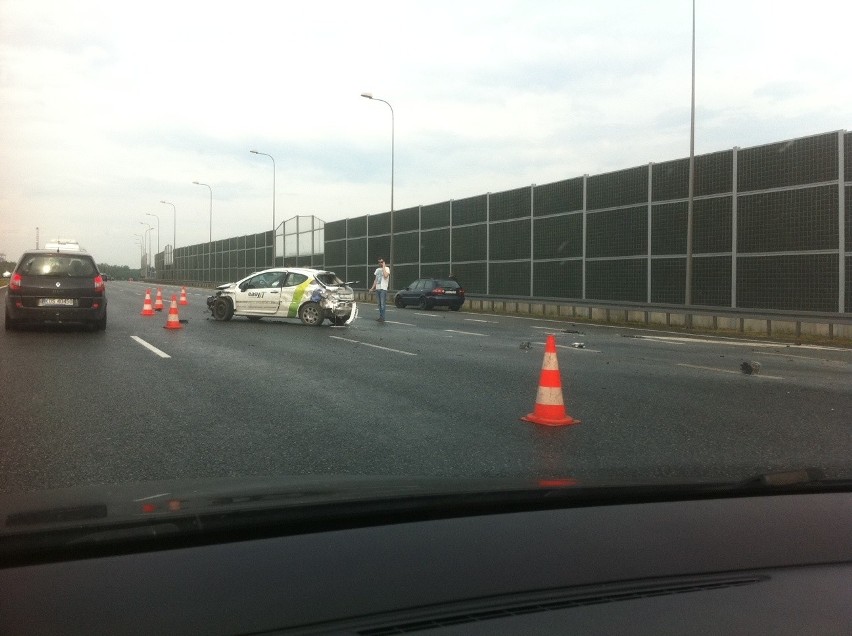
x=109, y=107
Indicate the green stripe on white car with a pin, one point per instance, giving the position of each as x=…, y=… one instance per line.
x=298, y=293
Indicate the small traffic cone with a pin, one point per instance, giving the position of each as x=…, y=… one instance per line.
x=173, y=321
x=158, y=304
x=183, y=300
x=549, y=407
x=147, y=310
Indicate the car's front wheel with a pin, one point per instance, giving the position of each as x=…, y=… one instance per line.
x=398, y=302
x=223, y=309
x=455, y=307
x=311, y=314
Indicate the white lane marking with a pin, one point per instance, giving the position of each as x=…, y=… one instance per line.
x=395, y=322
x=375, y=346
x=696, y=366
x=151, y=347
x=740, y=343
x=490, y=322
x=790, y=355
x=467, y=333
x=432, y=315
x=559, y=346
x=162, y=494
x=663, y=340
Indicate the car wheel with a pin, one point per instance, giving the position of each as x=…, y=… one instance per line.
x=311, y=314
x=455, y=307
x=398, y=302
x=422, y=304
x=100, y=325
x=9, y=323
x=223, y=309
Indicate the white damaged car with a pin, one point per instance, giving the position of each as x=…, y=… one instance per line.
x=286, y=292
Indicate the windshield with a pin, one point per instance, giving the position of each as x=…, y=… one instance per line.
x=643, y=262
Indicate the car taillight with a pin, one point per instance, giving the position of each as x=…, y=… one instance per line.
x=460, y=291
x=99, y=284
x=15, y=282
x=438, y=291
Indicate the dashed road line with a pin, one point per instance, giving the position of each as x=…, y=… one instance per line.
x=697, y=366
x=374, y=346
x=738, y=343
x=151, y=347
x=559, y=346
x=466, y=333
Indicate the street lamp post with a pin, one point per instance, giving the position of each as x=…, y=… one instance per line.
x=141, y=243
x=174, y=234
x=210, y=241
x=158, y=233
x=691, y=186
x=148, y=253
x=255, y=152
x=393, y=126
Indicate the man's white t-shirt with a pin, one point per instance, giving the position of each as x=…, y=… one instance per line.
x=382, y=278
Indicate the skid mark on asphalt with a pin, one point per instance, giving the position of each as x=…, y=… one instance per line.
x=151, y=347
x=374, y=346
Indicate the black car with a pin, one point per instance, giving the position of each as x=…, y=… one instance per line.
x=60, y=285
x=427, y=293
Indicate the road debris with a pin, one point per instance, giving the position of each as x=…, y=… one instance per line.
x=750, y=368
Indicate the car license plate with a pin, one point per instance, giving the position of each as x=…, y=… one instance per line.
x=450, y=292
x=56, y=302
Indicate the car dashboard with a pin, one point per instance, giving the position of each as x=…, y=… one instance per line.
x=778, y=564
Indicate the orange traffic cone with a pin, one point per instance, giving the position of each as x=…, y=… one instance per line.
x=183, y=300
x=147, y=310
x=549, y=407
x=158, y=304
x=173, y=321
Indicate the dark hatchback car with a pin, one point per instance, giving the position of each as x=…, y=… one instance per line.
x=427, y=293
x=56, y=286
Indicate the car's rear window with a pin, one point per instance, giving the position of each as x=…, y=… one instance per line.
x=74, y=266
x=329, y=278
x=447, y=283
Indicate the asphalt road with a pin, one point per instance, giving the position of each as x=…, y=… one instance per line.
x=434, y=393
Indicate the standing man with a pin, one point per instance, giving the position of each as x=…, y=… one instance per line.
x=380, y=286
